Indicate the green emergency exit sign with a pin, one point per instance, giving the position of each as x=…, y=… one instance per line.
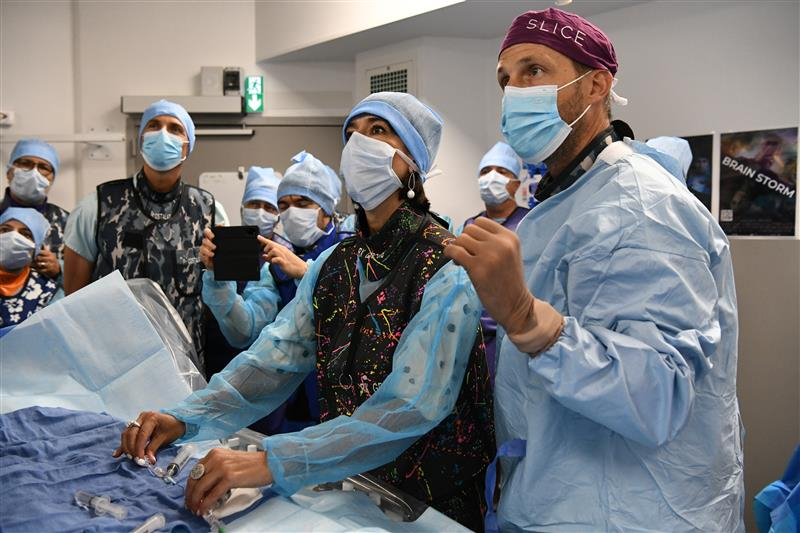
x=254, y=94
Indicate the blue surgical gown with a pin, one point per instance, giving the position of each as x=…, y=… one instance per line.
x=412, y=400
x=631, y=419
x=241, y=317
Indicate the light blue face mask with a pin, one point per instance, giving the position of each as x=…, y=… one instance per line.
x=162, y=150
x=531, y=123
x=261, y=218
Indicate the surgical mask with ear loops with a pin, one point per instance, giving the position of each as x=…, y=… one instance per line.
x=367, y=169
x=29, y=185
x=16, y=251
x=531, y=122
x=162, y=150
x=493, y=188
x=261, y=218
x=300, y=226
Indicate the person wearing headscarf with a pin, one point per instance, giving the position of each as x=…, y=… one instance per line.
x=392, y=329
x=498, y=181
x=31, y=172
x=23, y=290
x=149, y=225
x=615, y=387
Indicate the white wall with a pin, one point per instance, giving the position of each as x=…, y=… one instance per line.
x=144, y=48
x=92, y=53
x=450, y=77
x=690, y=67
x=287, y=25
x=36, y=82
x=687, y=68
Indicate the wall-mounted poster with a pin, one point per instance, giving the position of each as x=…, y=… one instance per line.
x=758, y=182
x=698, y=179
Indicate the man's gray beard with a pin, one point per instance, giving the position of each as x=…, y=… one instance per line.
x=569, y=148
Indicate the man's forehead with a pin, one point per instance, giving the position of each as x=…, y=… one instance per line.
x=165, y=119
x=526, y=53
x=33, y=158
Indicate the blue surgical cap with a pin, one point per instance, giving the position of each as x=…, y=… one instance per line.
x=35, y=148
x=675, y=147
x=32, y=218
x=262, y=184
x=312, y=178
x=501, y=155
x=417, y=125
x=170, y=109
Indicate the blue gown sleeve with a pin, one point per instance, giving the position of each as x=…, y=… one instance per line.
x=427, y=371
x=645, y=327
x=259, y=379
x=242, y=317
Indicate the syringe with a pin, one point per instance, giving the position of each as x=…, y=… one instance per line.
x=186, y=452
x=154, y=523
x=216, y=524
x=101, y=504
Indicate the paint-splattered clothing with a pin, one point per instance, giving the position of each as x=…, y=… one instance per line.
x=366, y=294
x=430, y=402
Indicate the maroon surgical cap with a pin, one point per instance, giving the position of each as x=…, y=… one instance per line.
x=573, y=36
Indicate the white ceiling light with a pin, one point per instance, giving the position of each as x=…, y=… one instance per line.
x=563, y=2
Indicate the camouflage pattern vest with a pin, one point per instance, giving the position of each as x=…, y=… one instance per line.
x=57, y=217
x=145, y=234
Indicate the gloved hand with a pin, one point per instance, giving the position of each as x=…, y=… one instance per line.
x=491, y=256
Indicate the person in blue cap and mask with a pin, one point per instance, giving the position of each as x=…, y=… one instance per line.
x=149, y=225
x=392, y=329
x=23, y=290
x=615, y=388
x=31, y=172
x=237, y=306
x=498, y=181
x=242, y=310
x=306, y=198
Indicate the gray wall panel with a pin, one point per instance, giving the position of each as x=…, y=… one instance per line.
x=767, y=275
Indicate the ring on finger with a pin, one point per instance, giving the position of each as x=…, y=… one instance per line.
x=134, y=423
x=197, y=471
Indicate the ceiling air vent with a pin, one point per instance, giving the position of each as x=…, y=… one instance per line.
x=396, y=78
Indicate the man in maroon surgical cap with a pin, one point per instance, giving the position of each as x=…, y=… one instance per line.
x=615, y=387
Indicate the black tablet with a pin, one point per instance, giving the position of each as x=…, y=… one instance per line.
x=236, y=257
